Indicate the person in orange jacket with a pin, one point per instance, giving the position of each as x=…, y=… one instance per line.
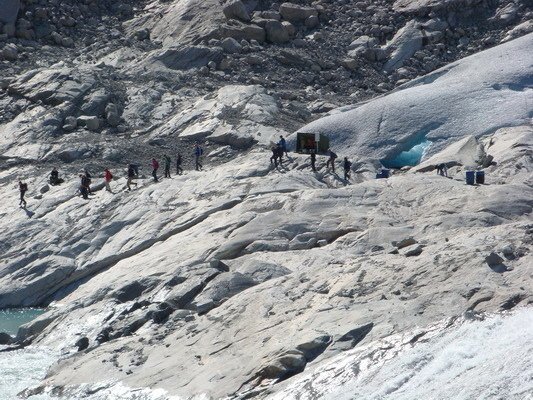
x=155, y=167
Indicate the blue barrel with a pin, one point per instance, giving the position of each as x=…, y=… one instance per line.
x=480, y=177
x=470, y=177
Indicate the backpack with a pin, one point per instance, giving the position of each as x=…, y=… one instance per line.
x=333, y=155
x=24, y=187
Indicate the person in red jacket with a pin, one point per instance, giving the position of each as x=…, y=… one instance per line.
x=155, y=167
x=108, y=177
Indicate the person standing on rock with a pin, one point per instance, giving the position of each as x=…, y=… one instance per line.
x=442, y=170
x=274, y=157
x=89, y=180
x=108, y=177
x=198, y=152
x=331, y=160
x=347, y=167
x=155, y=167
x=313, y=160
x=167, y=166
x=283, y=144
x=84, y=186
x=23, y=188
x=132, y=173
x=179, y=170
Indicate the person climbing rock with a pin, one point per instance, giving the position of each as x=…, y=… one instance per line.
x=283, y=144
x=54, y=177
x=313, y=161
x=23, y=188
x=167, y=166
x=179, y=170
x=198, y=152
x=347, y=167
x=155, y=167
x=132, y=173
x=84, y=186
x=442, y=169
x=331, y=160
x=108, y=177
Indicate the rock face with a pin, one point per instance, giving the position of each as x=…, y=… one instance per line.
x=236, y=9
x=9, y=10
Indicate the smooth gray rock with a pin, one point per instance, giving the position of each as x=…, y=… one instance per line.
x=235, y=9
x=9, y=10
x=276, y=32
x=296, y=13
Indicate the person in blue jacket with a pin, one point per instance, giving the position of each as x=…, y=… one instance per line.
x=283, y=144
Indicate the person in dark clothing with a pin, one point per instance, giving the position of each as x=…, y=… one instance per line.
x=167, y=166
x=179, y=170
x=132, y=173
x=313, y=161
x=198, y=152
x=274, y=157
x=279, y=151
x=155, y=167
x=442, y=170
x=23, y=188
x=283, y=144
x=84, y=186
x=88, y=176
x=54, y=177
x=331, y=160
x=347, y=167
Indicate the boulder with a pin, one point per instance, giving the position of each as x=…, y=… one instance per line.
x=112, y=115
x=10, y=52
x=296, y=13
x=312, y=22
x=404, y=45
x=276, y=32
x=70, y=123
x=5, y=338
x=90, y=122
x=242, y=31
x=231, y=46
x=9, y=10
x=235, y=9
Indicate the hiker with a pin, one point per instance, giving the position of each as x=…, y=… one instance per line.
x=132, y=173
x=54, y=177
x=274, y=158
x=108, y=177
x=313, y=160
x=347, y=166
x=279, y=152
x=89, y=180
x=84, y=186
x=155, y=167
x=198, y=151
x=179, y=170
x=167, y=166
x=442, y=170
x=23, y=188
x=332, y=157
x=283, y=144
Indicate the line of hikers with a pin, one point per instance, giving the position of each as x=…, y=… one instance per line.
x=280, y=148
x=132, y=173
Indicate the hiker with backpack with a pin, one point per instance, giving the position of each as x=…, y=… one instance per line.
x=167, y=166
x=347, y=167
x=179, y=170
x=198, y=152
x=23, y=188
x=313, y=160
x=132, y=173
x=155, y=167
x=89, y=180
x=332, y=158
x=442, y=169
x=108, y=177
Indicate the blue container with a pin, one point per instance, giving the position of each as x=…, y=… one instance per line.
x=470, y=177
x=480, y=177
